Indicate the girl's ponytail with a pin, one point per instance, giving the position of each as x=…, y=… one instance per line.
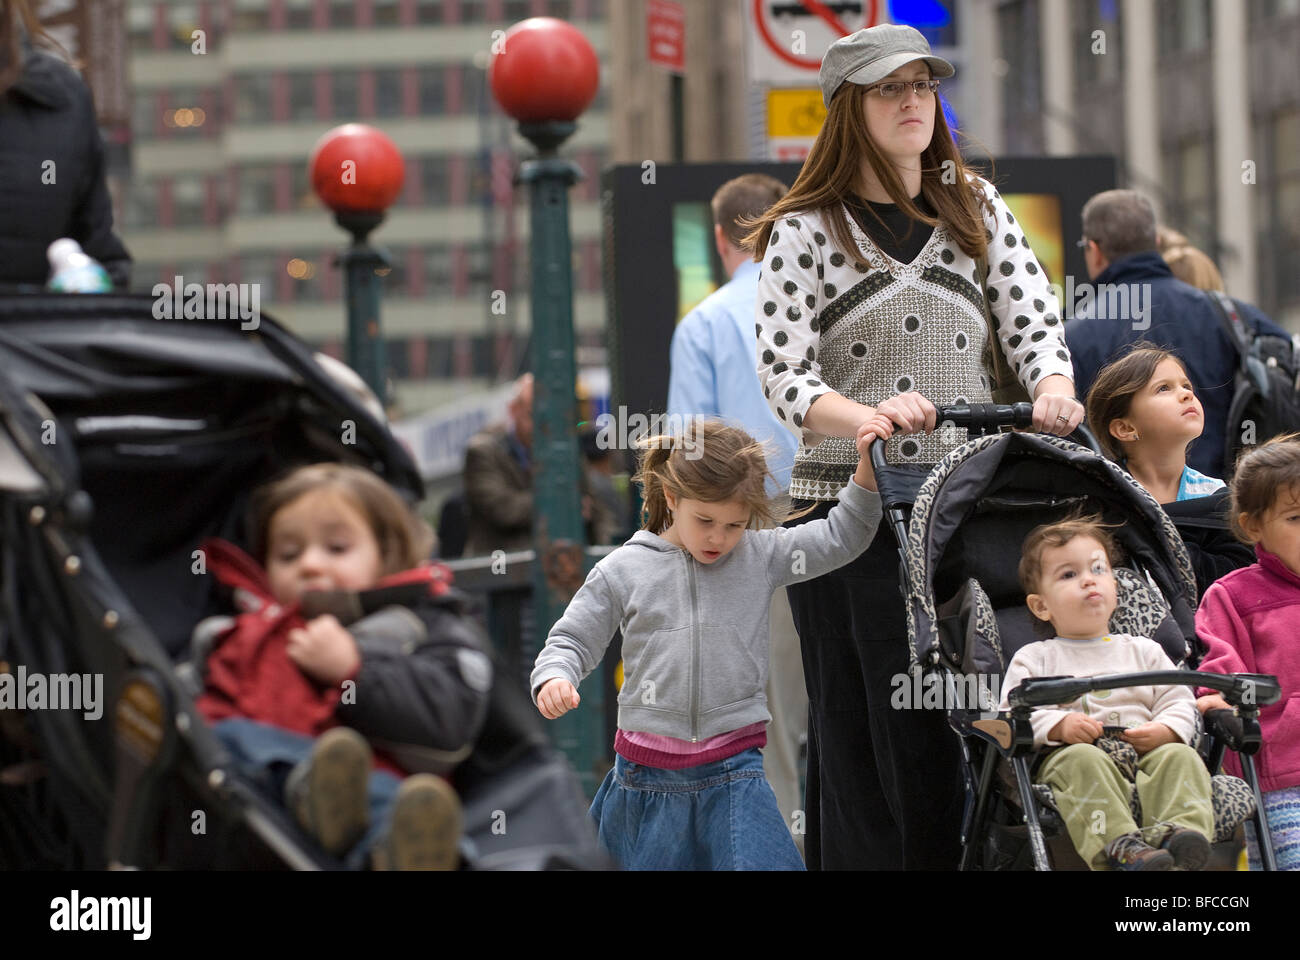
x=654, y=465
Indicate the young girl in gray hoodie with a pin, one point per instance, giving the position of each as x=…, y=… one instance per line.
x=691, y=592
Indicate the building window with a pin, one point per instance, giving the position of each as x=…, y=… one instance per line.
x=473, y=89
x=259, y=269
x=1022, y=84
x=1096, y=28
x=516, y=10
x=388, y=93
x=346, y=95
x=343, y=13
x=301, y=16
x=256, y=190
x=253, y=98
x=302, y=96
x=142, y=205
x=433, y=90
x=188, y=198
x=252, y=19
x=386, y=13
x=1182, y=26
x=434, y=176
x=1279, y=251
x=302, y=195
x=1188, y=168
x=437, y=270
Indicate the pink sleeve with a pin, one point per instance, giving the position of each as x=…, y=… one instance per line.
x=1219, y=625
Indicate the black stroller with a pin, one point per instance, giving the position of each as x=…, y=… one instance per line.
x=124, y=442
x=960, y=528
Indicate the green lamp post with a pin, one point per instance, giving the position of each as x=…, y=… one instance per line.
x=544, y=73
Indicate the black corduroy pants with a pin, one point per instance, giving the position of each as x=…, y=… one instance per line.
x=884, y=785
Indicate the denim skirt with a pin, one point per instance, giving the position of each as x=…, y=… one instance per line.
x=716, y=816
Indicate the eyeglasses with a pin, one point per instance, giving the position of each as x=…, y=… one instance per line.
x=1083, y=243
x=893, y=89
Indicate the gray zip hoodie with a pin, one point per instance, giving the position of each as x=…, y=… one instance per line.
x=695, y=636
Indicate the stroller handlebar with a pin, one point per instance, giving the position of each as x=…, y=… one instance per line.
x=979, y=419
x=1250, y=690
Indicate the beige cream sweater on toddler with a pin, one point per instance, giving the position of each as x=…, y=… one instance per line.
x=1174, y=706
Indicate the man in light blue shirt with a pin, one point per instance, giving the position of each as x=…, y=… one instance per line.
x=715, y=374
x=714, y=350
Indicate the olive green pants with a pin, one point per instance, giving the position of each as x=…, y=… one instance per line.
x=1093, y=797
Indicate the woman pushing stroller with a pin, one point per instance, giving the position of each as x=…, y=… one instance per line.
x=879, y=269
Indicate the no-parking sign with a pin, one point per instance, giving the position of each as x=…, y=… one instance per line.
x=787, y=38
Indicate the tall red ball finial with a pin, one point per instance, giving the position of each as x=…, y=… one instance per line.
x=356, y=169
x=544, y=70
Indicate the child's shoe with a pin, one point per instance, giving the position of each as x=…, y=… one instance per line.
x=327, y=792
x=1131, y=852
x=1190, y=848
x=424, y=832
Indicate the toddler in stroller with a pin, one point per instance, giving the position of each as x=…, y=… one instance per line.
x=1109, y=738
x=291, y=691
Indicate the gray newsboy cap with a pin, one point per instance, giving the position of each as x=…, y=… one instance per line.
x=873, y=53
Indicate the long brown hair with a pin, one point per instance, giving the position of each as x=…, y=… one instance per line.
x=1261, y=476
x=404, y=539
x=1111, y=395
x=832, y=170
x=15, y=17
x=710, y=462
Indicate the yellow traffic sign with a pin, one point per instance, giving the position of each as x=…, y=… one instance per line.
x=794, y=113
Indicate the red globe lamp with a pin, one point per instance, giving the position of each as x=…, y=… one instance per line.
x=544, y=73
x=357, y=171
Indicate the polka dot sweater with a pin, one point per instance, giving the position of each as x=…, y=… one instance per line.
x=869, y=332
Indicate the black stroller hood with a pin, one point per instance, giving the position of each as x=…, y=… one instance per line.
x=172, y=424
x=1023, y=473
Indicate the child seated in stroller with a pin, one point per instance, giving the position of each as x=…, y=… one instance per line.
x=1107, y=741
x=300, y=701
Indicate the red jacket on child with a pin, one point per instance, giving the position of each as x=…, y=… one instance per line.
x=419, y=694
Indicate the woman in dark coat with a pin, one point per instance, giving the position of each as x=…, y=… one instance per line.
x=51, y=159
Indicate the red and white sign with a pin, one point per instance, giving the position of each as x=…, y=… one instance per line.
x=665, y=31
x=789, y=37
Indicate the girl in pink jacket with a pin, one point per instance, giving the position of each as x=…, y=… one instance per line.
x=1251, y=620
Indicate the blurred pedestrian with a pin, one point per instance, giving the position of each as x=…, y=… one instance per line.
x=1193, y=267
x=1119, y=237
x=713, y=375
x=600, y=465
x=498, y=479
x=880, y=269
x=51, y=158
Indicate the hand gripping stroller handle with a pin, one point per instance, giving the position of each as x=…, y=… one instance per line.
x=1249, y=691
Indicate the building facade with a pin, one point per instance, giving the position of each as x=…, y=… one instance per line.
x=230, y=96
x=1199, y=99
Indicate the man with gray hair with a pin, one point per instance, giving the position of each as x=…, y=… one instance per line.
x=1135, y=296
